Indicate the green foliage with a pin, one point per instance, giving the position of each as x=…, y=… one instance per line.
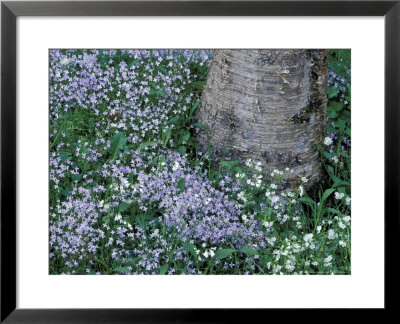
x=224, y=253
x=118, y=143
x=336, y=157
x=339, y=92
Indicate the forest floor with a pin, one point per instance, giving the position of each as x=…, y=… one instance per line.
x=131, y=194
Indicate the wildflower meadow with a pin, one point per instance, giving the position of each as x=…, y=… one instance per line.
x=131, y=192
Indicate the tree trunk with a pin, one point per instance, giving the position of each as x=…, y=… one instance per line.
x=268, y=105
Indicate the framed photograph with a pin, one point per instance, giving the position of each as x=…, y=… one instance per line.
x=160, y=160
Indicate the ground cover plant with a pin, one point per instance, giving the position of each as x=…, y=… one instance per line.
x=130, y=192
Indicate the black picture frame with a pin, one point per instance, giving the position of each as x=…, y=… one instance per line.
x=10, y=10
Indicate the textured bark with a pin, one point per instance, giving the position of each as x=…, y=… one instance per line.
x=269, y=105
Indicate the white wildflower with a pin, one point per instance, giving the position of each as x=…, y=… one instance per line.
x=304, y=179
x=274, y=199
x=327, y=261
x=65, y=61
x=241, y=196
x=268, y=224
x=346, y=219
x=339, y=195
x=308, y=237
x=327, y=141
x=176, y=166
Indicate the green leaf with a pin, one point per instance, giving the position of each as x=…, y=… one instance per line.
x=132, y=63
x=186, y=136
x=248, y=251
x=125, y=56
x=133, y=261
x=123, y=206
x=66, y=192
x=334, y=211
x=345, y=155
x=238, y=169
x=223, y=253
x=182, y=149
x=155, y=159
x=119, y=269
x=332, y=114
x=158, y=92
x=65, y=156
x=332, y=92
x=345, y=114
x=118, y=143
x=194, y=107
x=228, y=164
x=336, y=106
x=164, y=269
x=308, y=201
x=342, y=124
x=191, y=248
x=77, y=176
x=145, y=144
x=330, y=129
x=162, y=70
x=327, y=155
x=166, y=136
x=181, y=184
x=173, y=120
x=325, y=195
x=131, y=177
x=200, y=125
x=320, y=208
x=338, y=182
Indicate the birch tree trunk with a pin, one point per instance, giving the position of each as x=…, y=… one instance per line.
x=269, y=105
